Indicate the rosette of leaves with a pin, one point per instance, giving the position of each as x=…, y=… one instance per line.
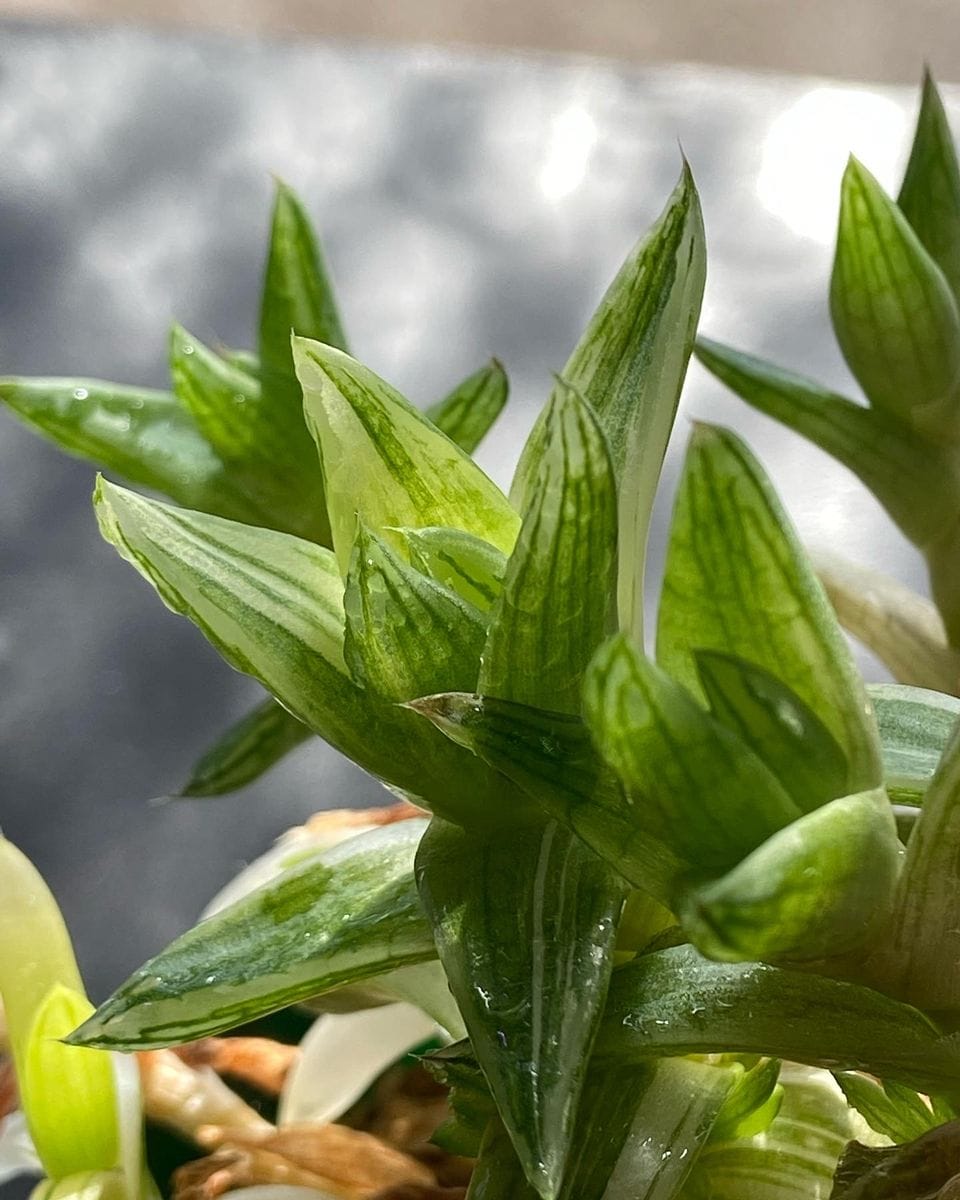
x=647, y=879
x=894, y=306
x=230, y=439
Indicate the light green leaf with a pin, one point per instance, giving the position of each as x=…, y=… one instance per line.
x=893, y=312
x=793, y=1160
x=893, y=1110
x=246, y=360
x=266, y=449
x=819, y=889
x=753, y=1102
x=551, y=758
x=521, y=923
x=297, y=298
x=285, y=942
x=915, y=727
x=630, y=366
x=558, y=591
x=918, y=958
x=385, y=462
x=675, y=1002
x=406, y=635
x=141, y=434
x=89, y=1185
x=902, y=628
x=690, y=782
x=460, y=561
x=737, y=581
x=777, y=726
x=246, y=751
x=912, y=478
x=68, y=1094
x=930, y=195
x=467, y=414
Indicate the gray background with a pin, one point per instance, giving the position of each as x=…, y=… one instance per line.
x=470, y=205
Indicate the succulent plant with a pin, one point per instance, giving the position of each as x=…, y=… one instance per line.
x=637, y=883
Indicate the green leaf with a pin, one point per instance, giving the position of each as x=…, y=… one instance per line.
x=915, y=727
x=913, y=479
x=690, y=782
x=385, y=462
x=821, y=888
x=753, y=1102
x=551, y=758
x=630, y=366
x=460, y=561
x=792, y=1160
x=918, y=958
x=926, y=1169
x=406, y=635
x=68, y=1094
x=297, y=298
x=893, y=312
x=498, y=1174
x=777, y=726
x=891, y=1109
x=141, y=434
x=930, y=195
x=247, y=750
x=285, y=942
x=467, y=414
x=675, y=1002
x=521, y=923
x=737, y=581
x=266, y=449
x=903, y=629
x=558, y=591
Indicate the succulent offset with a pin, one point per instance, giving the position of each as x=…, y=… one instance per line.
x=648, y=879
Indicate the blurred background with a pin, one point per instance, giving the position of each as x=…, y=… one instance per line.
x=475, y=196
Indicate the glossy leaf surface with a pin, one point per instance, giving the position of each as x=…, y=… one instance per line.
x=460, y=561
x=469, y=411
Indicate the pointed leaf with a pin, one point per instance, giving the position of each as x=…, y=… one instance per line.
x=692, y=783
x=247, y=750
x=753, y=1102
x=460, y=561
x=930, y=195
x=737, y=581
x=285, y=942
x=267, y=450
x=141, y=434
x=897, y=1112
x=819, y=889
x=912, y=478
x=297, y=298
x=903, y=629
x=467, y=414
x=893, y=312
x=384, y=461
x=557, y=594
x=630, y=366
x=675, y=1002
x=519, y=922
x=405, y=634
x=777, y=726
x=915, y=728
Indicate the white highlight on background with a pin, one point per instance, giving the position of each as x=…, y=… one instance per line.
x=807, y=147
x=573, y=135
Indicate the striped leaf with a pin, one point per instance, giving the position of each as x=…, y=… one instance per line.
x=460, y=561
x=915, y=727
x=930, y=195
x=737, y=581
x=675, y=1002
x=522, y=924
x=406, y=635
x=911, y=477
x=469, y=411
x=285, y=942
x=557, y=594
x=143, y=435
x=895, y=1111
x=893, y=312
x=385, y=462
x=269, y=454
x=247, y=750
x=630, y=365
